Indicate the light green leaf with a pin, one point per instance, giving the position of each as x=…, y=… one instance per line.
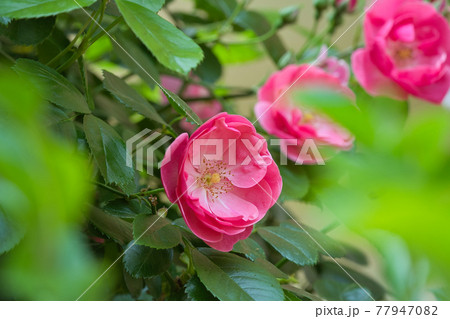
x=52, y=86
x=109, y=152
x=143, y=262
x=39, y=8
x=295, y=182
x=155, y=231
x=11, y=230
x=230, y=277
x=129, y=97
x=170, y=46
x=182, y=108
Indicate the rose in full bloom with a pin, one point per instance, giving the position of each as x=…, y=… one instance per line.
x=223, y=178
x=351, y=4
x=204, y=109
x=334, y=66
x=281, y=116
x=407, y=51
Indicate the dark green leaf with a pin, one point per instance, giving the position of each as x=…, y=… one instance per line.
x=137, y=59
x=39, y=8
x=155, y=231
x=289, y=296
x=143, y=262
x=52, y=86
x=129, y=97
x=109, y=152
x=330, y=271
x=271, y=268
x=113, y=227
x=126, y=208
x=300, y=292
x=217, y=9
x=294, y=245
x=325, y=245
x=210, y=69
x=134, y=285
x=170, y=46
x=355, y=293
x=29, y=31
x=250, y=248
x=230, y=277
x=196, y=291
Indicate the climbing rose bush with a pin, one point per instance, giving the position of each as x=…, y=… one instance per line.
x=293, y=124
x=223, y=178
x=407, y=51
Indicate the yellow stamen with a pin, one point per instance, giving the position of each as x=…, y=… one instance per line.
x=215, y=178
x=405, y=53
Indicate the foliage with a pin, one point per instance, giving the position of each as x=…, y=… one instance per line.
x=77, y=82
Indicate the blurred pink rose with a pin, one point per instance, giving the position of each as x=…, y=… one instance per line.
x=441, y=5
x=334, y=66
x=204, y=109
x=285, y=119
x=351, y=4
x=407, y=51
x=223, y=178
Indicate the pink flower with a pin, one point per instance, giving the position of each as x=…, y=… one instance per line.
x=407, y=51
x=351, y=4
x=280, y=115
x=334, y=66
x=204, y=109
x=223, y=178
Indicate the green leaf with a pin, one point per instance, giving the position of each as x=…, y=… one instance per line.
x=182, y=108
x=217, y=10
x=143, y=262
x=29, y=31
x=39, y=8
x=139, y=62
x=52, y=86
x=196, y=291
x=230, y=277
x=115, y=228
x=12, y=230
x=295, y=182
x=210, y=70
x=109, y=152
x=155, y=231
x=236, y=53
x=300, y=292
x=129, y=97
x=250, y=248
x=170, y=46
x=325, y=244
x=294, y=245
x=126, y=208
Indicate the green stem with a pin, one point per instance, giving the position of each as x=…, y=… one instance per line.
x=136, y=195
x=69, y=46
x=86, y=44
x=281, y=262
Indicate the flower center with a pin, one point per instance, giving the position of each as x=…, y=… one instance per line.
x=214, y=178
x=404, y=53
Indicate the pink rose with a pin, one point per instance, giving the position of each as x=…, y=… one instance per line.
x=334, y=66
x=351, y=4
x=204, y=109
x=223, y=178
x=407, y=51
x=294, y=124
